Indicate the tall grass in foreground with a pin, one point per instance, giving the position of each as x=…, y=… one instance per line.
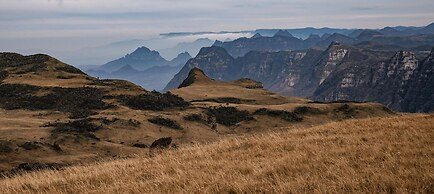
x=378, y=155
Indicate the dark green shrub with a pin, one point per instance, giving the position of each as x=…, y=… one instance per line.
x=194, y=117
x=79, y=102
x=153, y=101
x=346, y=110
x=3, y=75
x=307, y=110
x=5, y=147
x=225, y=100
x=165, y=122
x=83, y=127
x=30, y=146
x=229, y=116
x=285, y=115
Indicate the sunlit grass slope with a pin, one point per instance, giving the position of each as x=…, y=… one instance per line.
x=376, y=155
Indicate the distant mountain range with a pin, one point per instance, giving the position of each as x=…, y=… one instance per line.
x=285, y=63
x=191, y=47
x=143, y=67
x=341, y=72
x=142, y=59
x=282, y=40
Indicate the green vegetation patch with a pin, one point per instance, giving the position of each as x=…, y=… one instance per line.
x=85, y=127
x=226, y=100
x=79, y=102
x=307, y=110
x=153, y=101
x=229, y=116
x=165, y=122
x=285, y=115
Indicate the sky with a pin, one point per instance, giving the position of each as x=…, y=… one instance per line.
x=66, y=25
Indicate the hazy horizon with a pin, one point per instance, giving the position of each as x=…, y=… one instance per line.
x=64, y=26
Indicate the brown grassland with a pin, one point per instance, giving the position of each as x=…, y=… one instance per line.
x=373, y=155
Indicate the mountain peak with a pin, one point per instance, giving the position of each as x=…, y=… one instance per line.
x=184, y=54
x=257, y=35
x=145, y=53
x=430, y=26
x=141, y=59
x=283, y=33
x=389, y=29
x=206, y=51
x=142, y=49
x=368, y=34
x=217, y=43
x=313, y=37
x=182, y=58
x=334, y=44
x=195, y=75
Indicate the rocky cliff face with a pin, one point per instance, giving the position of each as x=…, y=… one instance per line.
x=280, y=42
x=341, y=72
x=282, y=71
x=214, y=61
x=398, y=82
x=419, y=96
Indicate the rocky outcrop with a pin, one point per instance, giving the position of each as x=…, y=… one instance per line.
x=419, y=96
x=399, y=82
x=212, y=60
x=270, y=68
x=194, y=76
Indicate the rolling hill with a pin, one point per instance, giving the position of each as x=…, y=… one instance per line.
x=53, y=115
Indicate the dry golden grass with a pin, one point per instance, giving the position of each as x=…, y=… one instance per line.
x=205, y=88
x=376, y=155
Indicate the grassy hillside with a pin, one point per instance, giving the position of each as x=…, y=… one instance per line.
x=52, y=114
x=375, y=155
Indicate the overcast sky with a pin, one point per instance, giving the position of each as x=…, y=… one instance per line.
x=71, y=24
